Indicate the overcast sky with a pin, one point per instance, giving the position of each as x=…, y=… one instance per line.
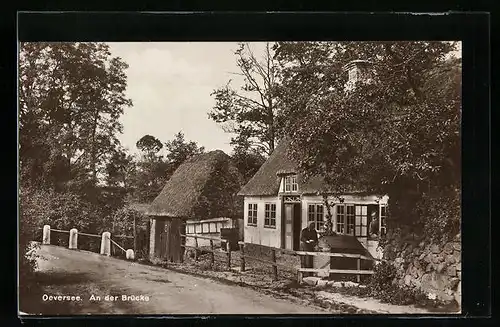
x=170, y=85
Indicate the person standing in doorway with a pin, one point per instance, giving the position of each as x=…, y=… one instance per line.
x=308, y=241
x=374, y=226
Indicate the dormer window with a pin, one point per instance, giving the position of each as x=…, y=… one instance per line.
x=291, y=184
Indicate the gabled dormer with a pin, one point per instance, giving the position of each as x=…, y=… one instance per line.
x=289, y=184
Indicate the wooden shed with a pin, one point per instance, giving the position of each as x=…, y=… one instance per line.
x=203, y=187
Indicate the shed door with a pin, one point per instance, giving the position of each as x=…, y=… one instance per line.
x=170, y=240
x=159, y=226
x=289, y=226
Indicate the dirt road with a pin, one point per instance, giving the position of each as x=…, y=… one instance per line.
x=111, y=286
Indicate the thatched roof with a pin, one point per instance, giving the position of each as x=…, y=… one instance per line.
x=203, y=187
x=140, y=207
x=266, y=180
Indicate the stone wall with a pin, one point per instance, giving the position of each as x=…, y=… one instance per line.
x=435, y=269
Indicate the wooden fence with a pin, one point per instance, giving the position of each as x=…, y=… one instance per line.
x=105, y=246
x=274, y=264
x=300, y=271
x=211, y=249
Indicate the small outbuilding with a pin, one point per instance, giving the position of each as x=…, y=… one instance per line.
x=203, y=189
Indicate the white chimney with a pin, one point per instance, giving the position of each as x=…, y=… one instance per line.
x=358, y=71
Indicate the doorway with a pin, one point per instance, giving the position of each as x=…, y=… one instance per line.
x=292, y=226
x=170, y=246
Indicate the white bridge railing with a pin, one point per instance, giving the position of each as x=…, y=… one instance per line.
x=73, y=241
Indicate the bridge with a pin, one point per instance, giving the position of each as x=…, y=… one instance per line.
x=73, y=281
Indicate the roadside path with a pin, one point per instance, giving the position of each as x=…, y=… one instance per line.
x=101, y=282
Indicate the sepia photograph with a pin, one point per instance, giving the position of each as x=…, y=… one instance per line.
x=207, y=178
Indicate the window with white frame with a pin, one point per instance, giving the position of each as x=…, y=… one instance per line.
x=270, y=215
x=383, y=218
x=351, y=219
x=315, y=214
x=252, y=214
x=340, y=212
x=291, y=184
x=361, y=221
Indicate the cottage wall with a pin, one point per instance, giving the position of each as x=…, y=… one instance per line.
x=259, y=234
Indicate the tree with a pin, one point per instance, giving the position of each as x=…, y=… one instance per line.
x=149, y=145
x=250, y=113
x=247, y=162
x=150, y=170
x=178, y=150
x=71, y=96
x=119, y=169
x=398, y=134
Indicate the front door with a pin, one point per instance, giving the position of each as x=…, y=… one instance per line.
x=289, y=215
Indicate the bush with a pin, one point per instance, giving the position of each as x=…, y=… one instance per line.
x=38, y=207
x=31, y=206
x=381, y=286
x=384, y=274
x=440, y=214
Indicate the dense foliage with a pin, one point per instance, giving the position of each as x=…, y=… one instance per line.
x=396, y=131
x=31, y=204
x=247, y=162
x=71, y=96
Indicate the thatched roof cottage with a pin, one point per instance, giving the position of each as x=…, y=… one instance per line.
x=279, y=203
x=203, y=188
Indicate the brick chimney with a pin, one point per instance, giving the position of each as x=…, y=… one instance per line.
x=358, y=71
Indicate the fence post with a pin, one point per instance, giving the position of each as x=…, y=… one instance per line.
x=129, y=255
x=135, y=234
x=358, y=277
x=228, y=249
x=275, y=268
x=196, y=249
x=106, y=244
x=212, y=259
x=299, y=277
x=46, y=234
x=242, y=255
x=73, y=239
